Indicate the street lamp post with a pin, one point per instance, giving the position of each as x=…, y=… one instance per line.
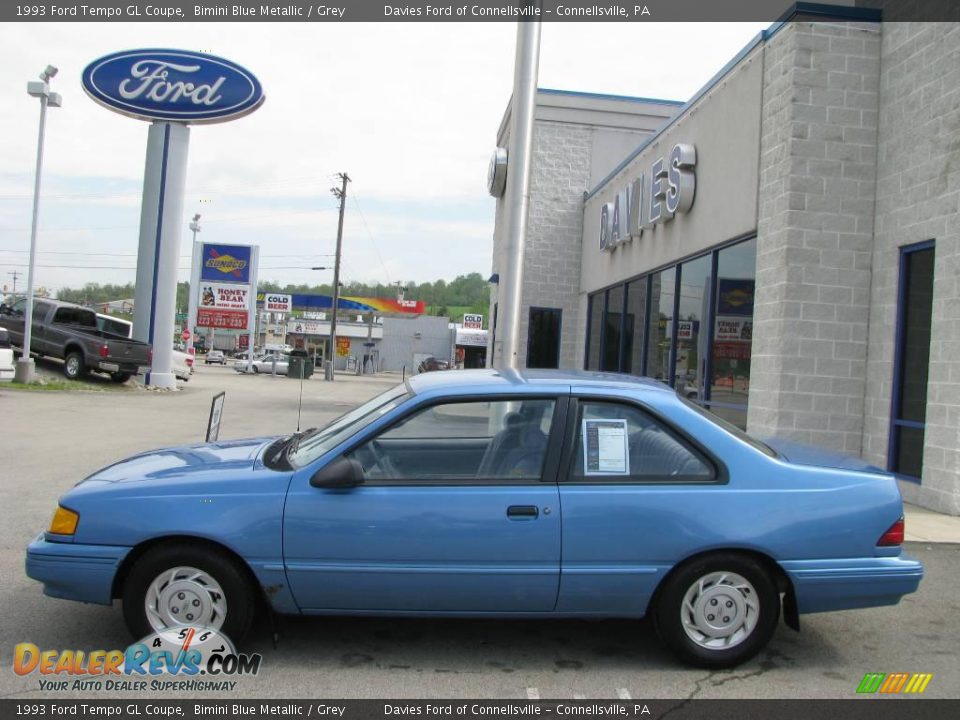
x=24, y=369
x=191, y=326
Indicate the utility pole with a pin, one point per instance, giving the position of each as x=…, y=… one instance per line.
x=14, y=275
x=341, y=194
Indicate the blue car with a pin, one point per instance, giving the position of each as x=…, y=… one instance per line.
x=490, y=494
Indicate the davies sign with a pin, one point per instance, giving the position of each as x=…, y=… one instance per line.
x=176, y=85
x=650, y=199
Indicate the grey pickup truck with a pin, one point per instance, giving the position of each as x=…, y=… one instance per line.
x=69, y=332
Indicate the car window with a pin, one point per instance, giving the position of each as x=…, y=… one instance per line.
x=463, y=441
x=731, y=428
x=19, y=307
x=617, y=442
x=318, y=443
x=75, y=316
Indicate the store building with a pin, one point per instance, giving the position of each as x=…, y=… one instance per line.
x=784, y=247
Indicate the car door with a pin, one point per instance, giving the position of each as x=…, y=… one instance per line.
x=458, y=512
x=635, y=493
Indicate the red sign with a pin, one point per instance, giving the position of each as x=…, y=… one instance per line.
x=244, y=342
x=227, y=319
x=185, y=335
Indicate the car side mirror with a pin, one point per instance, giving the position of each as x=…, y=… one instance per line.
x=340, y=474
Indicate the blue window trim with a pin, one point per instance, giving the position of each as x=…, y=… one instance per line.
x=896, y=399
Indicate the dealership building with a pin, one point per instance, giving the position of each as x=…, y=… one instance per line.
x=783, y=248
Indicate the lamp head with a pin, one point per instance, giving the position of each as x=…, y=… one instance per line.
x=49, y=72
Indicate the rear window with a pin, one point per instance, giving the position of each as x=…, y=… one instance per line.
x=730, y=428
x=75, y=316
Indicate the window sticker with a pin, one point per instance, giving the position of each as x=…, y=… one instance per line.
x=605, y=448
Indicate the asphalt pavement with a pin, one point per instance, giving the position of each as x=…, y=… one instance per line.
x=53, y=439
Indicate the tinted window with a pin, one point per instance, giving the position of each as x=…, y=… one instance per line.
x=633, y=339
x=75, y=316
x=595, y=315
x=691, y=331
x=543, y=338
x=661, y=324
x=621, y=442
x=462, y=441
x=611, y=337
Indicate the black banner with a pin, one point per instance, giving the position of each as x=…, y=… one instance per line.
x=471, y=10
x=854, y=709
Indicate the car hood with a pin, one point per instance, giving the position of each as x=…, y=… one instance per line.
x=186, y=460
x=803, y=454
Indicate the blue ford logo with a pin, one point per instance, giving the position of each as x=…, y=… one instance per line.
x=176, y=85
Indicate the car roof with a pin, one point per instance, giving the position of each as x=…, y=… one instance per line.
x=508, y=380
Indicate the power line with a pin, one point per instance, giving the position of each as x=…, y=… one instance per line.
x=356, y=202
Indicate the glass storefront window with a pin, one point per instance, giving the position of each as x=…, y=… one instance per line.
x=690, y=355
x=912, y=360
x=661, y=324
x=714, y=329
x=611, y=337
x=595, y=329
x=733, y=331
x=633, y=326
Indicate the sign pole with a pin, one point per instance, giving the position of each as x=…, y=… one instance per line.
x=154, y=310
x=253, y=314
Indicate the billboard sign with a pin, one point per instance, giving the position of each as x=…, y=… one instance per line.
x=225, y=263
x=221, y=305
x=473, y=322
x=176, y=85
x=277, y=302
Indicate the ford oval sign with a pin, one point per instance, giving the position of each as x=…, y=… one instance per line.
x=175, y=85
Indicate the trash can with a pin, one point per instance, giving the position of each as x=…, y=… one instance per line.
x=300, y=365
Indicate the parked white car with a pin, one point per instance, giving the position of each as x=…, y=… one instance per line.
x=182, y=365
x=6, y=356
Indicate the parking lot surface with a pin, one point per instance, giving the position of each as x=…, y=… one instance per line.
x=51, y=440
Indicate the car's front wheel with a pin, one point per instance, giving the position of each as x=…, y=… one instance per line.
x=718, y=611
x=176, y=585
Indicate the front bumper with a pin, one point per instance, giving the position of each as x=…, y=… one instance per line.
x=844, y=584
x=75, y=572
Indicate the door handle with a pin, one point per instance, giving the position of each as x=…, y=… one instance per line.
x=523, y=512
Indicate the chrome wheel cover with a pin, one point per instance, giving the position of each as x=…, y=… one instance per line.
x=720, y=610
x=185, y=596
x=73, y=365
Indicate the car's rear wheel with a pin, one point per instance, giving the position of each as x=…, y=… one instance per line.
x=73, y=365
x=718, y=611
x=177, y=585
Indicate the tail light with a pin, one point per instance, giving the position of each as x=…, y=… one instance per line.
x=893, y=536
x=189, y=362
x=104, y=351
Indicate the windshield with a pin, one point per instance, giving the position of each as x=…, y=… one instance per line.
x=313, y=446
x=730, y=428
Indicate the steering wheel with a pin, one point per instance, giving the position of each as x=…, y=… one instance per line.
x=375, y=462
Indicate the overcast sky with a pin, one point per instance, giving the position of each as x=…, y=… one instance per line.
x=410, y=111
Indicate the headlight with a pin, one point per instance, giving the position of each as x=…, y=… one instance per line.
x=64, y=522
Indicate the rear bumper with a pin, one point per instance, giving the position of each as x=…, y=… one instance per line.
x=823, y=585
x=112, y=367
x=74, y=572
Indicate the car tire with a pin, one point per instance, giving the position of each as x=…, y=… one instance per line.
x=690, y=612
x=119, y=377
x=255, y=370
x=73, y=366
x=203, y=574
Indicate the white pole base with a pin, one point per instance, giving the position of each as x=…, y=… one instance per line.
x=167, y=381
x=23, y=372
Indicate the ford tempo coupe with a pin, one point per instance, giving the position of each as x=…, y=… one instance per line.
x=490, y=494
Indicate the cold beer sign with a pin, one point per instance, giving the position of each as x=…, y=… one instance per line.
x=652, y=198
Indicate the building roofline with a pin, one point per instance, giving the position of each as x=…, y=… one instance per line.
x=805, y=9
x=609, y=96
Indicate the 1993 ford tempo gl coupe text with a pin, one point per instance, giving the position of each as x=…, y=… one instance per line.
x=495, y=494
